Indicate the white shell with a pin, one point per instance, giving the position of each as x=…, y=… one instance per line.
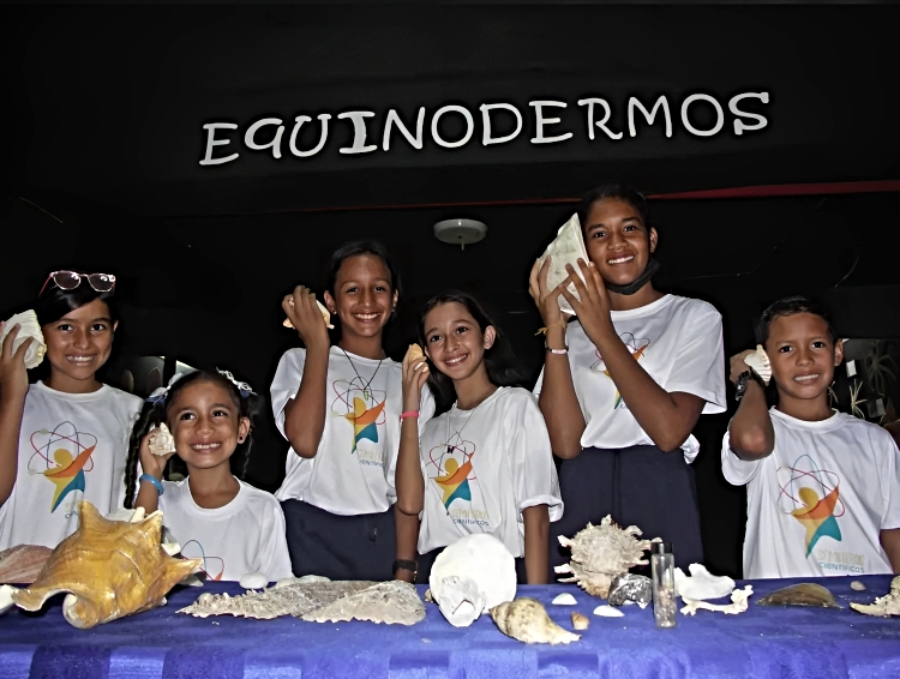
x=884, y=606
x=325, y=314
x=6, y=600
x=702, y=584
x=253, y=581
x=738, y=603
x=564, y=599
x=566, y=248
x=161, y=441
x=473, y=575
x=29, y=328
x=608, y=612
x=857, y=585
x=760, y=364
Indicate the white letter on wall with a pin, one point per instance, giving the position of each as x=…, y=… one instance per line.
x=359, y=132
x=720, y=115
x=470, y=126
x=602, y=123
x=323, y=137
x=650, y=116
x=540, y=121
x=486, y=139
x=212, y=141
x=275, y=144
x=394, y=119
x=760, y=121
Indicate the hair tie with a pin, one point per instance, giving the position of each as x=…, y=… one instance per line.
x=244, y=388
x=160, y=394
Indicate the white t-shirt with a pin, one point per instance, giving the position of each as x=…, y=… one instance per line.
x=676, y=340
x=817, y=504
x=353, y=470
x=71, y=447
x=482, y=467
x=245, y=536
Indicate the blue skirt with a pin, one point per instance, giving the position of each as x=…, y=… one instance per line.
x=640, y=486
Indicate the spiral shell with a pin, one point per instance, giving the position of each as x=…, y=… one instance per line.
x=526, y=619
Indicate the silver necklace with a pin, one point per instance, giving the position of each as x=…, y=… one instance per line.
x=458, y=434
x=365, y=385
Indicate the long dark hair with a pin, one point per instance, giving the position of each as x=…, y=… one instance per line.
x=157, y=412
x=499, y=360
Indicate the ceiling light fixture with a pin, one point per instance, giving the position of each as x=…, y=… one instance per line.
x=460, y=232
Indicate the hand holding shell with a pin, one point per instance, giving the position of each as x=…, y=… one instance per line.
x=28, y=327
x=325, y=314
x=161, y=441
x=760, y=364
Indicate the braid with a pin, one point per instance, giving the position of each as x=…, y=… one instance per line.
x=150, y=415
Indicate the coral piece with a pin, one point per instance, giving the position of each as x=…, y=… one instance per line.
x=884, y=606
x=22, y=564
x=804, y=594
x=627, y=588
x=161, y=440
x=470, y=576
x=109, y=568
x=608, y=612
x=526, y=619
x=253, y=581
x=564, y=599
x=325, y=314
x=30, y=327
x=738, y=603
x=759, y=362
x=702, y=584
x=599, y=553
x=857, y=585
x=318, y=602
x=580, y=622
x=566, y=248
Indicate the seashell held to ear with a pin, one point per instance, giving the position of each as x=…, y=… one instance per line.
x=325, y=314
x=415, y=352
x=760, y=364
x=526, y=619
x=29, y=328
x=161, y=441
x=566, y=248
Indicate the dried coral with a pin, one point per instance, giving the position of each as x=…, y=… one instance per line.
x=884, y=606
x=599, y=553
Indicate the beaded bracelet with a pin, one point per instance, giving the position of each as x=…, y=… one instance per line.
x=154, y=481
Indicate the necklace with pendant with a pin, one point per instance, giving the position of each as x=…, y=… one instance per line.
x=365, y=385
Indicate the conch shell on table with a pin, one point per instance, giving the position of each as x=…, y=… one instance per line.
x=325, y=314
x=161, y=441
x=23, y=563
x=526, y=619
x=884, y=606
x=566, y=248
x=30, y=327
x=110, y=569
x=600, y=553
x=759, y=362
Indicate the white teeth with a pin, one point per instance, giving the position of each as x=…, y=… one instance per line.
x=366, y=317
x=806, y=378
x=205, y=446
x=456, y=361
x=620, y=260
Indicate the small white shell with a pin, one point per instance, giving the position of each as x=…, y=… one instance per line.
x=29, y=328
x=565, y=599
x=580, y=622
x=760, y=364
x=161, y=441
x=857, y=585
x=253, y=581
x=608, y=612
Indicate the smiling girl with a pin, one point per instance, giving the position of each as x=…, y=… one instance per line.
x=339, y=407
x=625, y=383
x=64, y=439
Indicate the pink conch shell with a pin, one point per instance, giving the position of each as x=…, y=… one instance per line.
x=30, y=327
x=22, y=564
x=325, y=314
x=109, y=568
x=161, y=441
x=759, y=362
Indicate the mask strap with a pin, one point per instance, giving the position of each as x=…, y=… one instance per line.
x=637, y=283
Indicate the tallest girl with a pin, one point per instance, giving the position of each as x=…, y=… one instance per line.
x=625, y=383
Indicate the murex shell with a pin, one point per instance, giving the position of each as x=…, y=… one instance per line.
x=325, y=314
x=109, y=568
x=161, y=441
x=759, y=362
x=599, y=553
x=884, y=606
x=30, y=327
x=526, y=619
x=566, y=248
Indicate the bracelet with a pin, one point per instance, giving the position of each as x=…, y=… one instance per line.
x=409, y=413
x=405, y=565
x=543, y=331
x=154, y=481
x=558, y=352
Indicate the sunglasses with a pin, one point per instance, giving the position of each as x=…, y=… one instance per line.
x=69, y=280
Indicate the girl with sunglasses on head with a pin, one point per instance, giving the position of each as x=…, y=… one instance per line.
x=62, y=439
x=235, y=528
x=339, y=406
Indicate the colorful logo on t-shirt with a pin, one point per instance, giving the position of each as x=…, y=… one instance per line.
x=636, y=346
x=812, y=497
x=362, y=407
x=213, y=566
x=452, y=466
x=63, y=456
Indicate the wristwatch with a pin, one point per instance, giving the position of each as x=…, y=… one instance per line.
x=406, y=565
x=741, y=387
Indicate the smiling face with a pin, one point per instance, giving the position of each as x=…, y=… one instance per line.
x=454, y=342
x=617, y=240
x=803, y=358
x=78, y=345
x=364, y=297
x=206, y=424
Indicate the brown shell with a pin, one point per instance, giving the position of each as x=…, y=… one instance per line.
x=21, y=565
x=526, y=619
x=804, y=594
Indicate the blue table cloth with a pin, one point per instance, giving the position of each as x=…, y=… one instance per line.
x=763, y=642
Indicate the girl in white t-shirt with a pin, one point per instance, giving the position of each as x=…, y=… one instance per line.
x=62, y=439
x=624, y=384
x=339, y=407
x=235, y=528
x=485, y=465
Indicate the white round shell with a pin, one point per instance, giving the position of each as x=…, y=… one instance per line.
x=253, y=581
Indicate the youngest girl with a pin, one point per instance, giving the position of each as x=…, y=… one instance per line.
x=485, y=466
x=237, y=529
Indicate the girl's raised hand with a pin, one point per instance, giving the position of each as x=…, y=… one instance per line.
x=152, y=464
x=13, y=374
x=546, y=300
x=303, y=312
x=593, y=309
x=415, y=373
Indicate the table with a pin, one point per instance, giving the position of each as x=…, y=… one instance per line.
x=763, y=642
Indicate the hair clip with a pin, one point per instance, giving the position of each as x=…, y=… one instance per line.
x=243, y=387
x=160, y=394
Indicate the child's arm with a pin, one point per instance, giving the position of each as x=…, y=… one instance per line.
x=890, y=541
x=557, y=400
x=750, y=432
x=153, y=465
x=537, y=530
x=304, y=415
x=409, y=481
x=407, y=528
x=13, y=388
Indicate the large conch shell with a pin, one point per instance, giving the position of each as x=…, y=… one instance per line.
x=600, y=553
x=109, y=568
x=526, y=619
x=161, y=441
x=325, y=314
x=566, y=248
x=23, y=563
x=30, y=327
x=885, y=606
x=760, y=364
